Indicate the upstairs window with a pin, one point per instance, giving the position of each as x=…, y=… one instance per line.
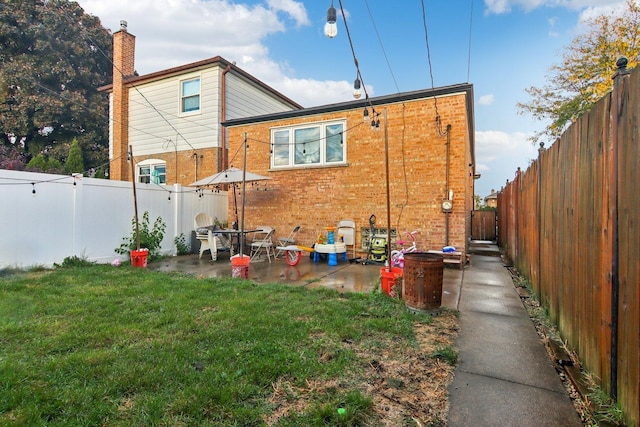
x=152, y=171
x=309, y=145
x=190, y=96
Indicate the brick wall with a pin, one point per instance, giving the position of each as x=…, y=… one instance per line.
x=319, y=197
x=190, y=165
x=123, y=67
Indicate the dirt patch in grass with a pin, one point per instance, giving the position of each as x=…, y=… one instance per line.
x=407, y=384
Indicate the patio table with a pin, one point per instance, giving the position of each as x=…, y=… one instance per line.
x=230, y=232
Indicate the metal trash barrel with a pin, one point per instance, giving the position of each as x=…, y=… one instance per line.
x=422, y=281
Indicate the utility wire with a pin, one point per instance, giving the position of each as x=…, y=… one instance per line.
x=435, y=98
x=470, y=27
x=395, y=82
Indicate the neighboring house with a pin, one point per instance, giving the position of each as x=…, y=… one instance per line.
x=327, y=164
x=171, y=118
x=491, y=201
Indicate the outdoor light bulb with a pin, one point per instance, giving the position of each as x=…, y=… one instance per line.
x=365, y=115
x=331, y=28
x=357, y=93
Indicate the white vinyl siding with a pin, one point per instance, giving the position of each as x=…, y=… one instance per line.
x=156, y=124
x=245, y=99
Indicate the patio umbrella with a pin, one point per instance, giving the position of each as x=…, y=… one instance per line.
x=230, y=176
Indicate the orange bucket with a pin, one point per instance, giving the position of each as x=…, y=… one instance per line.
x=240, y=266
x=389, y=279
x=139, y=258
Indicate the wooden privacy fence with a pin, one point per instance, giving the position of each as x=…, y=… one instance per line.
x=483, y=225
x=570, y=225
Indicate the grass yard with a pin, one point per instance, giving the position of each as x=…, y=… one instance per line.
x=105, y=346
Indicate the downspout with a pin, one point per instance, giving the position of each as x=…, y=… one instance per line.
x=222, y=165
x=619, y=86
x=448, y=190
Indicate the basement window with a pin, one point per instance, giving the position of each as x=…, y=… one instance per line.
x=309, y=145
x=152, y=171
x=190, y=96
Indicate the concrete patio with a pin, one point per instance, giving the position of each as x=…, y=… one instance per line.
x=345, y=277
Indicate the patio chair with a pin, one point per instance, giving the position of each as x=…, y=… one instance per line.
x=205, y=233
x=262, y=242
x=289, y=240
x=347, y=228
x=213, y=243
x=202, y=220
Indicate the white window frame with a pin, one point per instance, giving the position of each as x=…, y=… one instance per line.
x=184, y=96
x=285, y=136
x=153, y=165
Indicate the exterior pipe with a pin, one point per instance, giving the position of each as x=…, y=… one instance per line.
x=446, y=214
x=223, y=115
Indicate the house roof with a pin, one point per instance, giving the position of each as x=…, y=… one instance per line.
x=380, y=100
x=206, y=63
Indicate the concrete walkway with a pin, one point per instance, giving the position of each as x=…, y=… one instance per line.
x=504, y=376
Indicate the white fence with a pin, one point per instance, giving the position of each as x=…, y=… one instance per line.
x=46, y=218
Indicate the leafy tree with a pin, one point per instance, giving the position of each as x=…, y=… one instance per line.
x=42, y=163
x=11, y=158
x=585, y=74
x=74, y=163
x=53, y=57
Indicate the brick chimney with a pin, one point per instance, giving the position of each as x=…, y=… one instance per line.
x=123, y=67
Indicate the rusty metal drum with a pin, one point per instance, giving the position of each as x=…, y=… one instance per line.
x=422, y=281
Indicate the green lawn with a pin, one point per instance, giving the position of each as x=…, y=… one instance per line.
x=99, y=345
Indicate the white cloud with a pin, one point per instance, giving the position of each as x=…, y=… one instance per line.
x=167, y=30
x=498, y=155
x=505, y=6
x=486, y=99
x=293, y=8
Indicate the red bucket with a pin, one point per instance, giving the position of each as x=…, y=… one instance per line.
x=240, y=266
x=139, y=258
x=389, y=279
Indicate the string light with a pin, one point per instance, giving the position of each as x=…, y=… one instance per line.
x=331, y=27
x=357, y=93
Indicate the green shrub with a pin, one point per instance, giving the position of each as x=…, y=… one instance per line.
x=150, y=238
x=74, y=261
x=181, y=244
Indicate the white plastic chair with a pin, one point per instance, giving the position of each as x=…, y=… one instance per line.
x=289, y=240
x=205, y=233
x=262, y=241
x=202, y=220
x=347, y=228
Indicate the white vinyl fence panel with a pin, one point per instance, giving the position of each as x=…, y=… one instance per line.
x=87, y=217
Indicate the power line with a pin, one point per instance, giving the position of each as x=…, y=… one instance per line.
x=393, y=77
x=469, y=57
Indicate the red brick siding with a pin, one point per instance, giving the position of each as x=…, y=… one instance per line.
x=319, y=197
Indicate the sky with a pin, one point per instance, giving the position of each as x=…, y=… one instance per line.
x=502, y=47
